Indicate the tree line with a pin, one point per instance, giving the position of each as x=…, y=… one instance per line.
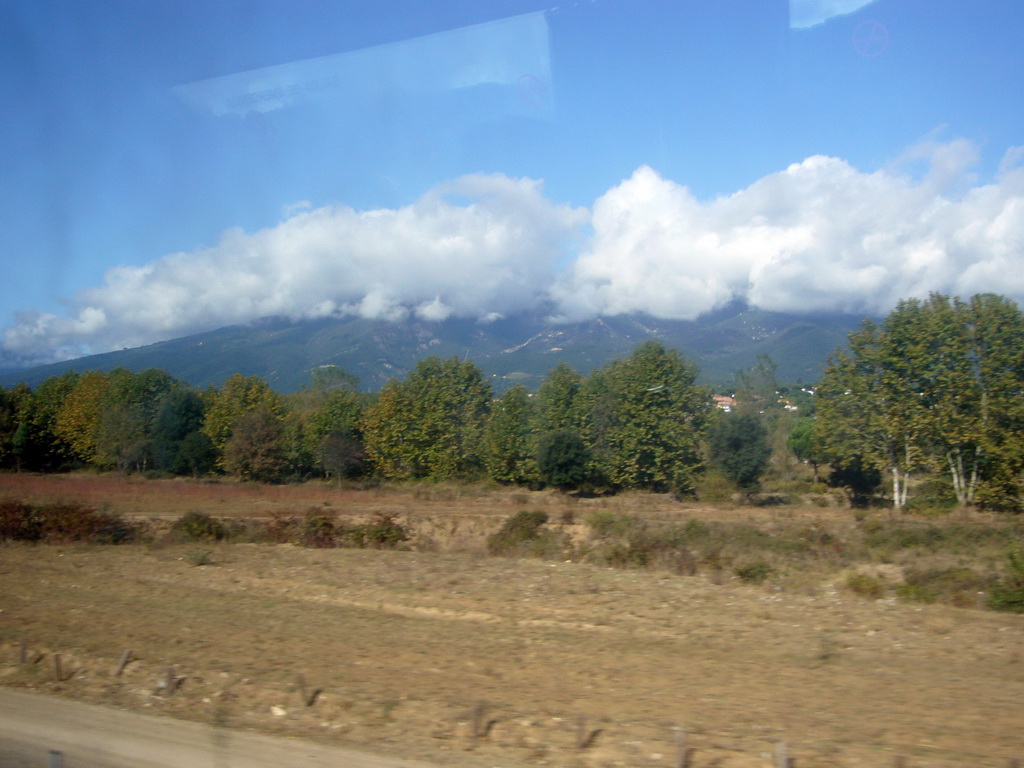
x=636, y=423
x=936, y=389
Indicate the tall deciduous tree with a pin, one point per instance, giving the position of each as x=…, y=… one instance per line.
x=972, y=376
x=563, y=459
x=37, y=444
x=239, y=395
x=256, y=448
x=332, y=432
x=431, y=424
x=14, y=405
x=646, y=419
x=123, y=438
x=558, y=400
x=738, y=445
x=937, y=385
x=510, y=448
x=127, y=415
x=179, y=414
x=78, y=419
x=867, y=412
x=803, y=443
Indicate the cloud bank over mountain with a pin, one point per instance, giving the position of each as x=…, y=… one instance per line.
x=819, y=236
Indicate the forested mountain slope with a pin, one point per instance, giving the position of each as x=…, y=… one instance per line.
x=512, y=350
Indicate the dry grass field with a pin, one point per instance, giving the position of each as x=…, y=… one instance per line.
x=442, y=652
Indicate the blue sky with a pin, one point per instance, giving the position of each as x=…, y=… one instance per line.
x=170, y=167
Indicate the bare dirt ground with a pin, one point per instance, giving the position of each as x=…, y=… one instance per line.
x=462, y=659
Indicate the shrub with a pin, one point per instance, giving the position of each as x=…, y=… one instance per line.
x=1008, y=593
x=955, y=585
x=933, y=496
x=75, y=522
x=632, y=543
x=319, y=529
x=755, y=573
x=605, y=523
x=964, y=537
x=283, y=528
x=199, y=557
x=383, y=532
x=893, y=536
x=113, y=529
x=62, y=523
x=524, y=534
x=19, y=522
x=198, y=526
x=713, y=486
x=866, y=585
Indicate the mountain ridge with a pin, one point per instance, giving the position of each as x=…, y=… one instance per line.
x=513, y=350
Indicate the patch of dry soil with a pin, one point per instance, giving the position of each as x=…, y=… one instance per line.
x=476, y=661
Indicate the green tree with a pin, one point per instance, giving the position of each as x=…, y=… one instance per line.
x=803, y=443
x=323, y=431
x=860, y=479
x=14, y=405
x=431, y=424
x=341, y=455
x=179, y=413
x=558, y=400
x=256, y=448
x=977, y=423
x=196, y=455
x=738, y=445
x=144, y=390
x=334, y=435
x=239, y=395
x=868, y=412
x=122, y=438
x=37, y=444
x=123, y=435
x=509, y=444
x=935, y=386
x=78, y=419
x=563, y=460
x=646, y=417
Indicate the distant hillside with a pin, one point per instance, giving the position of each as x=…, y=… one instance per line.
x=513, y=350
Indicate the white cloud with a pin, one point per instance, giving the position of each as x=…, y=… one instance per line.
x=479, y=245
x=819, y=236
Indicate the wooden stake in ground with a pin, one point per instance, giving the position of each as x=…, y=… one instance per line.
x=57, y=671
x=781, y=755
x=308, y=698
x=125, y=658
x=476, y=721
x=171, y=682
x=584, y=736
x=479, y=725
x=681, y=757
x=23, y=655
